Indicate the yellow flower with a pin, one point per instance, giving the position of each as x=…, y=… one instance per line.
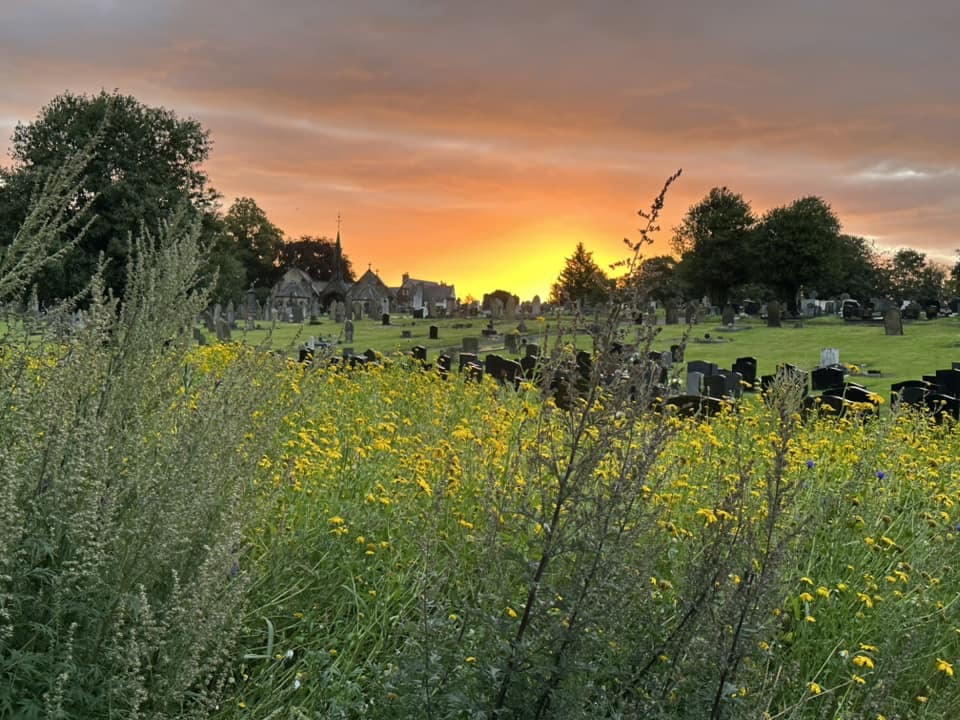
x=823, y=592
x=810, y=619
x=470, y=659
x=806, y=597
x=814, y=688
x=336, y=520
x=863, y=661
x=511, y=612
x=869, y=648
x=858, y=680
x=807, y=580
x=944, y=667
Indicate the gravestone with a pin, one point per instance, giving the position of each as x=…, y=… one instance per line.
x=297, y=313
x=251, y=309
x=910, y=312
x=223, y=330
x=694, y=382
x=208, y=321
x=511, y=342
x=348, y=331
x=434, y=332
x=829, y=356
x=358, y=311
x=690, y=314
x=419, y=353
x=340, y=311
x=532, y=350
x=729, y=316
x=892, y=323
x=470, y=345
x=510, y=310
x=231, y=314
x=536, y=306
x=406, y=334
x=747, y=367
x=199, y=337
x=773, y=314
x=332, y=310
x=496, y=308
x=671, y=313
x=703, y=367
x=714, y=386
x=431, y=309
x=385, y=319
x=826, y=377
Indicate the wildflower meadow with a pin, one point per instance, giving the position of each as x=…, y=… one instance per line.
x=221, y=532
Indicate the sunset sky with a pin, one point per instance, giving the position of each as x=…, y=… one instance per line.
x=477, y=142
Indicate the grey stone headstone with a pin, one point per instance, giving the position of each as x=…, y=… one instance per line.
x=223, y=331
x=496, y=308
x=536, y=307
x=671, y=313
x=510, y=310
x=470, y=344
x=199, y=337
x=358, y=311
x=728, y=316
x=829, y=356
x=297, y=313
x=348, y=331
x=892, y=322
x=773, y=314
x=208, y=321
x=332, y=310
x=511, y=342
x=231, y=314
x=694, y=382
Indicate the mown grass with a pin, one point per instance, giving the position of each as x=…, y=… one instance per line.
x=882, y=360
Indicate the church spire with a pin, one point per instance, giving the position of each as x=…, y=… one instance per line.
x=338, y=258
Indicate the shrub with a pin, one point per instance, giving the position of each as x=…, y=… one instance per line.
x=124, y=468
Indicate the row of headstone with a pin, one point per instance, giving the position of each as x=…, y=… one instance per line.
x=937, y=393
x=706, y=378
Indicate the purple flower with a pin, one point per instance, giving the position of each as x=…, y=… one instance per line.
x=810, y=464
x=881, y=474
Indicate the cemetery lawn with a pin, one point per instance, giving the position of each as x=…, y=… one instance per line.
x=878, y=360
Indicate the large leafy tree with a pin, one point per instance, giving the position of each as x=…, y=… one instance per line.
x=581, y=280
x=798, y=247
x=145, y=162
x=656, y=278
x=858, y=271
x=714, y=243
x=317, y=256
x=257, y=242
x=913, y=277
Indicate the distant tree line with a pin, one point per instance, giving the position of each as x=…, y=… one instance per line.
x=724, y=252
x=145, y=162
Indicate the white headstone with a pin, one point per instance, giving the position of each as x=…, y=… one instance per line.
x=829, y=356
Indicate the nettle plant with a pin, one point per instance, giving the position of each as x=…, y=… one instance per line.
x=123, y=475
